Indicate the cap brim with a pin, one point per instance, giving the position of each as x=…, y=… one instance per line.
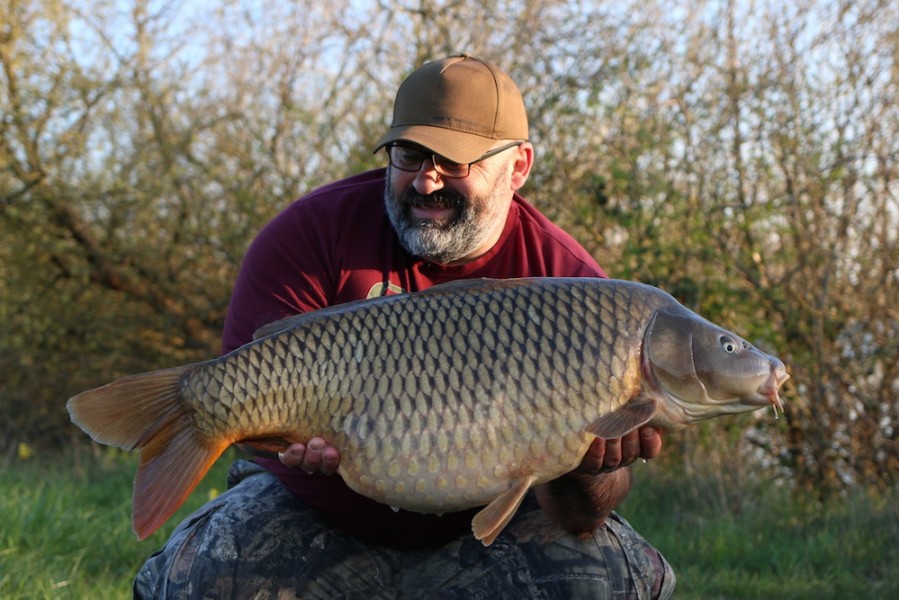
x=457, y=146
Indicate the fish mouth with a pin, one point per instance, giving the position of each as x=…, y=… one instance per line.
x=768, y=391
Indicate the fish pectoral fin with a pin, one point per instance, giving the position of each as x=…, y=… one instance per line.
x=494, y=517
x=615, y=424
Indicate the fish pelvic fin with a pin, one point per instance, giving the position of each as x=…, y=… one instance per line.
x=493, y=518
x=145, y=412
x=615, y=424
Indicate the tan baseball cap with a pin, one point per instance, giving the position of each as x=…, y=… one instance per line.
x=457, y=107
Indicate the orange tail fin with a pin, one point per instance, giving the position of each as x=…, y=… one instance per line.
x=145, y=412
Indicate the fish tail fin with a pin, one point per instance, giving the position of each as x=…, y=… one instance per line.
x=172, y=463
x=128, y=411
x=145, y=412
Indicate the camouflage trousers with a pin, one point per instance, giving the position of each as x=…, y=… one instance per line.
x=258, y=541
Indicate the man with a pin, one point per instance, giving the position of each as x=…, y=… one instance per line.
x=446, y=208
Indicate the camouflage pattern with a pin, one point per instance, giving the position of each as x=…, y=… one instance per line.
x=257, y=541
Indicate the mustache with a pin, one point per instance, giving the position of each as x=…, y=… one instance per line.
x=441, y=199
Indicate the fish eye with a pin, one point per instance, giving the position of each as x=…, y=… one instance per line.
x=728, y=345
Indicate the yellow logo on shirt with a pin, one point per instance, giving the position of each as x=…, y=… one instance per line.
x=383, y=289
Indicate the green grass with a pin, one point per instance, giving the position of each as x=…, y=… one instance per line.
x=760, y=540
x=65, y=529
x=65, y=533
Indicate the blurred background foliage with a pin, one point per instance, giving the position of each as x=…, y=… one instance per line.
x=742, y=155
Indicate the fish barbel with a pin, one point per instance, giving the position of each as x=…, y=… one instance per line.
x=463, y=395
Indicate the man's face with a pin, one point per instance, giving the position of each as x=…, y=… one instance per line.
x=449, y=220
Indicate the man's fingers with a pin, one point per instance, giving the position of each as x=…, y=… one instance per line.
x=315, y=455
x=592, y=463
x=313, y=459
x=612, y=458
x=607, y=455
x=630, y=448
x=650, y=442
x=330, y=460
x=293, y=455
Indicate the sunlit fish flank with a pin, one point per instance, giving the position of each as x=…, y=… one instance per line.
x=463, y=395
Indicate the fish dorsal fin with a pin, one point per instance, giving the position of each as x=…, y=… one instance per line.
x=494, y=517
x=615, y=424
x=279, y=325
x=484, y=284
x=455, y=286
x=292, y=321
x=477, y=283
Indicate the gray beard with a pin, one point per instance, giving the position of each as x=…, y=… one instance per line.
x=439, y=242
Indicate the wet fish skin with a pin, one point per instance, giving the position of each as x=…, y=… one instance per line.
x=463, y=395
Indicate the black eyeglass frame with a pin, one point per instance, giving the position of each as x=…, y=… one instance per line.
x=437, y=159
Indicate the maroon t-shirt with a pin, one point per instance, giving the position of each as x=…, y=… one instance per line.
x=337, y=245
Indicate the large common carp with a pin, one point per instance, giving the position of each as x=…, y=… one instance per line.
x=463, y=395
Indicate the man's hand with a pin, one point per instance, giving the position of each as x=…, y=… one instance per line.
x=580, y=501
x=315, y=455
x=605, y=456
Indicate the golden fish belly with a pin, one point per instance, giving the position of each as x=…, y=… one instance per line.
x=458, y=467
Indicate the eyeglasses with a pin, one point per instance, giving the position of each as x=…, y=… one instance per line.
x=408, y=158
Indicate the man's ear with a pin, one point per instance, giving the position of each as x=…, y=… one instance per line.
x=521, y=168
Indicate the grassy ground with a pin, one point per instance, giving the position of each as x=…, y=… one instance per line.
x=763, y=541
x=65, y=533
x=65, y=529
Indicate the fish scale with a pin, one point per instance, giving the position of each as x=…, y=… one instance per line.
x=463, y=395
x=492, y=389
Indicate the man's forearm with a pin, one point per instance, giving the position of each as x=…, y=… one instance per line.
x=580, y=502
